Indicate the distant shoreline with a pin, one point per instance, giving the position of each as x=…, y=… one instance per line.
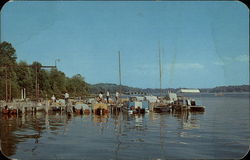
x=112, y=88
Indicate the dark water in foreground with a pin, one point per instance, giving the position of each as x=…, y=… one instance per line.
x=222, y=131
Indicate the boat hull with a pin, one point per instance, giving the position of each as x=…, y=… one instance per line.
x=197, y=108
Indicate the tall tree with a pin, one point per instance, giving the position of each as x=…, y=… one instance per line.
x=24, y=79
x=57, y=82
x=21, y=75
x=7, y=54
x=44, y=85
x=77, y=86
x=7, y=58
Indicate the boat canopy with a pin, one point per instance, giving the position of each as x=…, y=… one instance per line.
x=189, y=91
x=151, y=98
x=172, y=96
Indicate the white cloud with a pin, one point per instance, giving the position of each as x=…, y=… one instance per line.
x=142, y=69
x=153, y=69
x=228, y=60
x=242, y=58
x=186, y=66
x=219, y=63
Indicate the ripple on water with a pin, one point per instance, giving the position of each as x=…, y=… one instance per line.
x=212, y=135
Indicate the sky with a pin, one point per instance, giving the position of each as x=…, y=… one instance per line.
x=202, y=44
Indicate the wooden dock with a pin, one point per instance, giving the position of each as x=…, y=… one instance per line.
x=22, y=107
x=19, y=107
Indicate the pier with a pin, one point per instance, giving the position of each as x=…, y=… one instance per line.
x=81, y=107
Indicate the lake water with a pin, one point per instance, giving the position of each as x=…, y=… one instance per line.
x=222, y=131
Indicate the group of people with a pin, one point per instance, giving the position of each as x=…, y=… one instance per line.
x=66, y=97
x=100, y=97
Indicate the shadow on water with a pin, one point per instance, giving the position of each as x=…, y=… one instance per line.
x=8, y=144
x=127, y=129
x=100, y=118
x=213, y=134
x=15, y=129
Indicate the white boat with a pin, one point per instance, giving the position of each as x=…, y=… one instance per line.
x=189, y=103
x=81, y=108
x=136, y=105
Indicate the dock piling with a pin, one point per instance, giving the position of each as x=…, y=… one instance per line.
x=47, y=106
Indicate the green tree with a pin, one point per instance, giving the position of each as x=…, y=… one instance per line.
x=57, y=82
x=7, y=54
x=77, y=86
x=44, y=83
x=21, y=75
x=24, y=79
x=7, y=58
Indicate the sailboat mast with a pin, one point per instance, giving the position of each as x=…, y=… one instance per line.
x=120, y=81
x=160, y=69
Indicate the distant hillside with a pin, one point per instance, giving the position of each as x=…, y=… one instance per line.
x=240, y=88
x=112, y=88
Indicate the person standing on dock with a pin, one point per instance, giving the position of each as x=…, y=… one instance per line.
x=100, y=97
x=107, y=96
x=116, y=96
x=69, y=107
x=66, y=97
x=53, y=98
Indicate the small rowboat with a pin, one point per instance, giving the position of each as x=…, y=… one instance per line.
x=5, y=111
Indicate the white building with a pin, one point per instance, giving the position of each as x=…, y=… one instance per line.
x=189, y=91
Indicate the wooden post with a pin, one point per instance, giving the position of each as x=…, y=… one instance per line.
x=6, y=85
x=17, y=110
x=38, y=88
x=23, y=109
x=24, y=93
x=47, y=121
x=47, y=106
x=21, y=94
x=36, y=85
x=10, y=90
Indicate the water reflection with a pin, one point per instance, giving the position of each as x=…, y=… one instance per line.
x=100, y=118
x=126, y=129
x=16, y=129
x=188, y=119
x=118, y=132
x=7, y=129
x=176, y=135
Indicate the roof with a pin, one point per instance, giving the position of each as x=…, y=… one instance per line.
x=189, y=91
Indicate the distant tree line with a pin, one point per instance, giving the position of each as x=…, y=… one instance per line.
x=112, y=88
x=22, y=75
x=238, y=88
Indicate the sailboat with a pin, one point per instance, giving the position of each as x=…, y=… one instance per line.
x=161, y=106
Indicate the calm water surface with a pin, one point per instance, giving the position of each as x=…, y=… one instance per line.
x=222, y=131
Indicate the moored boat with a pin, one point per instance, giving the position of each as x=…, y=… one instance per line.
x=9, y=110
x=197, y=108
x=81, y=108
x=100, y=109
x=5, y=111
x=136, y=105
x=162, y=108
x=189, y=103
